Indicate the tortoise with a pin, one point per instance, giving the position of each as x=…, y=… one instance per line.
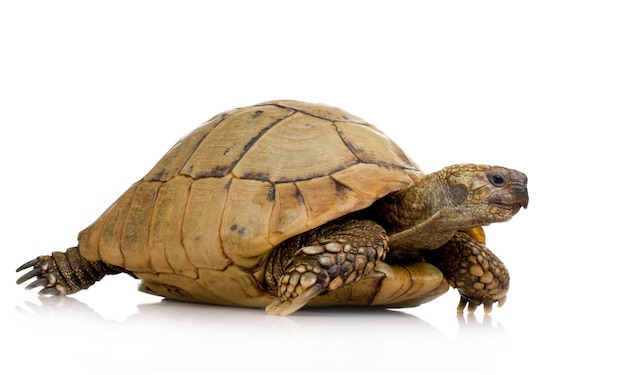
x=287, y=204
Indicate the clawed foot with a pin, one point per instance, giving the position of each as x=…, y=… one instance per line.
x=471, y=268
x=297, y=287
x=472, y=304
x=338, y=254
x=46, y=276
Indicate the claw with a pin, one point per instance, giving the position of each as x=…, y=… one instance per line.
x=37, y=283
x=50, y=291
x=27, y=265
x=32, y=273
x=472, y=306
x=501, y=301
x=487, y=306
x=283, y=308
x=462, y=303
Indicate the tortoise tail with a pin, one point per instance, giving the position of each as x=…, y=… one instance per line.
x=64, y=272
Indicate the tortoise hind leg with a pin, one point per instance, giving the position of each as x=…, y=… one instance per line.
x=64, y=272
x=322, y=260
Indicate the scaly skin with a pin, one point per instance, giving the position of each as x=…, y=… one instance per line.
x=434, y=219
x=471, y=268
x=458, y=197
x=444, y=212
x=322, y=260
x=65, y=272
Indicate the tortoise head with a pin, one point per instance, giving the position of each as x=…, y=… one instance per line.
x=485, y=193
x=457, y=197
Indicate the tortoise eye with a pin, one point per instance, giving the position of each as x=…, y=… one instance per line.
x=497, y=180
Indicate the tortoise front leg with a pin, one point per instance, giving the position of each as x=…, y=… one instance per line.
x=64, y=272
x=322, y=260
x=470, y=267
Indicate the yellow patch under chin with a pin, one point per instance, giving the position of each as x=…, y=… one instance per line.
x=476, y=233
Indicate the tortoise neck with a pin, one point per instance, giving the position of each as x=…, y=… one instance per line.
x=415, y=204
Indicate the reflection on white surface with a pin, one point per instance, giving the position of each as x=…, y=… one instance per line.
x=172, y=336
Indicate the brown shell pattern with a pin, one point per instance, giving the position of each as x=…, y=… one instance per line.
x=243, y=182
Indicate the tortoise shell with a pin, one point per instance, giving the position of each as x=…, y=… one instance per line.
x=201, y=224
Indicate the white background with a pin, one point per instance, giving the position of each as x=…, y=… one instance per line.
x=93, y=94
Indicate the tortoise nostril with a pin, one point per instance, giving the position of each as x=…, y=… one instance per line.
x=519, y=177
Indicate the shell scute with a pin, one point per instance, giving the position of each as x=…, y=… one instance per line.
x=200, y=231
x=176, y=158
x=299, y=148
x=225, y=143
x=289, y=214
x=101, y=240
x=362, y=178
x=167, y=253
x=244, y=227
x=325, y=199
x=370, y=145
x=135, y=233
x=327, y=112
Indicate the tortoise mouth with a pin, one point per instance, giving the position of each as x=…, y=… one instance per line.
x=512, y=207
x=511, y=200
